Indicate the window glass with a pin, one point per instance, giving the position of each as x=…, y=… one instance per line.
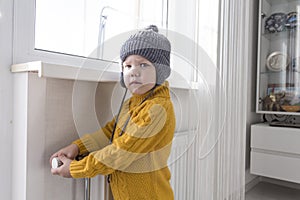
x=78, y=27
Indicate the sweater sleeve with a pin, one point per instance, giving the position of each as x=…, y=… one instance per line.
x=95, y=141
x=145, y=145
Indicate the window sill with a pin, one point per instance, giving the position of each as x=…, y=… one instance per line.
x=49, y=70
x=110, y=74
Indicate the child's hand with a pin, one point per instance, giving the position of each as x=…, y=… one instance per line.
x=64, y=169
x=70, y=152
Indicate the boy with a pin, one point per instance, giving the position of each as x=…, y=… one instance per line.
x=135, y=159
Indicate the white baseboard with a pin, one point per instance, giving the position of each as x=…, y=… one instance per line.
x=250, y=180
x=281, y=183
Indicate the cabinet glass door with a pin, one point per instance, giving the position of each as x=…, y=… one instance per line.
x=279, y=57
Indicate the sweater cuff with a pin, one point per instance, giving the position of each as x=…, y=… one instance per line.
x=81, y=146
x=86, y=144
x=77, y=169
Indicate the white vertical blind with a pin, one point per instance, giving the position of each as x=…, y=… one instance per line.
x=233, y=64
x=213, y=167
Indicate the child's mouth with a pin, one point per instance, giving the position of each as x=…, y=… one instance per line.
x=135, y=82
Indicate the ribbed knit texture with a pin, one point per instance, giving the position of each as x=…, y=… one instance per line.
x=137, y=160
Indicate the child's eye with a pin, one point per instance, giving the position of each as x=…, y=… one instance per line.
x=127, y=66
x=144, y=65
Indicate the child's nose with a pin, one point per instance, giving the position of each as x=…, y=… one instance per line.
x=135, y=71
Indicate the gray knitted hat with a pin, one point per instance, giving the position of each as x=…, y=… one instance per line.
x=154, y=47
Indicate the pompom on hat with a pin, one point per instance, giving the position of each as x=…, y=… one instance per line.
x=151, y=45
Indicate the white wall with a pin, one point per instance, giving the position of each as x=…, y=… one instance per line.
x=6, y=106
x=252, y=117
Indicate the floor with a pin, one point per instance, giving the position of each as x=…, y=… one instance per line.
x=269, y=191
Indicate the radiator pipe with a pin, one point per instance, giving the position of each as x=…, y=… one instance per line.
x=87, y=188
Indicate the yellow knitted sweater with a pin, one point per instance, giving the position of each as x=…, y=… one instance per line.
x=137, y=159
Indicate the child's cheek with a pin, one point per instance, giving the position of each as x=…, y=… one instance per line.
x=126, y=79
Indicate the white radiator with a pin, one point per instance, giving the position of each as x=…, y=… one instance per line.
x=181, y=165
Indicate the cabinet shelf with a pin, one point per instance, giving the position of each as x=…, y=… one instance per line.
x=279, y=2
x=279, y=73
x=277, y=35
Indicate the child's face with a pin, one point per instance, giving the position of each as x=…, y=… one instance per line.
x=139, y=74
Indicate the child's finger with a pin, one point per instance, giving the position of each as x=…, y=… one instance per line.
x=63, y=158
x=55, y=171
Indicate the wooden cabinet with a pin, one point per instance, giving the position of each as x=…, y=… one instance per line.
x=275, y=152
